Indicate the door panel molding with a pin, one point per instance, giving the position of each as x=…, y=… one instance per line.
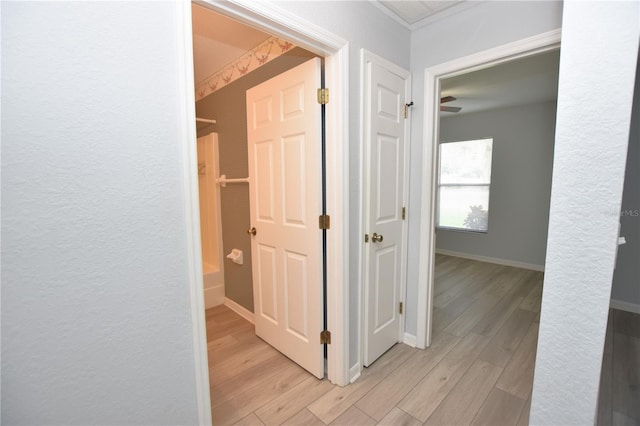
x=288, y=285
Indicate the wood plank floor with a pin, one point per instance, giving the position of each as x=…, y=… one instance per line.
x=619, y=398
x=479, y=369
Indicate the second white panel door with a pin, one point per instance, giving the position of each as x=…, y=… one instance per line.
x=386, y=93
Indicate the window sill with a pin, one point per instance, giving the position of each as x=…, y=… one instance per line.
x=464, y=230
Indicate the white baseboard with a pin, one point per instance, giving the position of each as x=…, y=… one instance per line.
x=625, y=306
x=505, y=262
x=410, y=340
x=239, y=309
x=354, y=373
x=213, y=296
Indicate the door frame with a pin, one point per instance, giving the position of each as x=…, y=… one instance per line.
x=367, y=56
x=431, y=131
x=282, y=23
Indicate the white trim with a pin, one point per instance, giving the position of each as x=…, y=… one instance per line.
x=337, y=156
x=518, y=49
x=240, y=310
x=279, y=22
x=625, y=306
x=405, y=204
x=188, y=148
x=274, y=20
x=361, y=214
x=496, y=260
x=391, y=14
x=409, y=340
x=432, y=75
x=355, y=372
x=365, y=126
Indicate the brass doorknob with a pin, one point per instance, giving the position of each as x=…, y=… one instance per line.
x=252, y=231
x=376, y=238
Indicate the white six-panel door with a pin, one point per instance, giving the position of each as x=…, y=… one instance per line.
x=284, y=147
x=386, y=92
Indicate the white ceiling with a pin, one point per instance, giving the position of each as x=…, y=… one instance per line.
x=527, y=80
x=229, y=40
x=416, y=13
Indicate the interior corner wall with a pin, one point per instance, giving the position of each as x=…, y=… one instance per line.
x=625, y=292
x=363, y=26
x=520, y=182
x=96, y=313
x=481, y=27
x=228, y=107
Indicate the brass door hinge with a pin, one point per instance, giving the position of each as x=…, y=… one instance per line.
x=324, y=221
x=401, y=306
x=404, y=213
x=325, y=337
x=323, y=96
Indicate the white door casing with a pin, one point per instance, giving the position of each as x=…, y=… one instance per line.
x=280, y=22
x=284, y=147
x=431, y=130
x=386, y=91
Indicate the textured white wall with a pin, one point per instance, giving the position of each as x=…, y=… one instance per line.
x=486, y=25
x=95, y=301
x=597, y=71
x=363, y=26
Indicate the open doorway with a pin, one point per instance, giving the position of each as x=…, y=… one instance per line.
x=276, y=21
x=220, y=102
x=430, y=168
x=489, y=204
x=229, y=59
x=495, y=156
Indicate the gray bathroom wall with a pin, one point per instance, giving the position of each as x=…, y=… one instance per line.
x=228, y=107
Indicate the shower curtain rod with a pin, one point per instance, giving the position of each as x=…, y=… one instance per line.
x=206, y=120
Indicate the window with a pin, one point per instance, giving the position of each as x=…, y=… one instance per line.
x=463, y=185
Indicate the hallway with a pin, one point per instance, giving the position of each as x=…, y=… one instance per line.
x=479, y=369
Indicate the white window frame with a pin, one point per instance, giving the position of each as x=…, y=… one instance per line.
x=461, y=185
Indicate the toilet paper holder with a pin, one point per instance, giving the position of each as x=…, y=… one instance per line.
x=236, y=256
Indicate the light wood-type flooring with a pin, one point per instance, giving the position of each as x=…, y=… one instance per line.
x=619, y=398
x=478, y=370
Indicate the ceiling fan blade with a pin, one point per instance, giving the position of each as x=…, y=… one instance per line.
x=447, y=99
x=450, y=109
